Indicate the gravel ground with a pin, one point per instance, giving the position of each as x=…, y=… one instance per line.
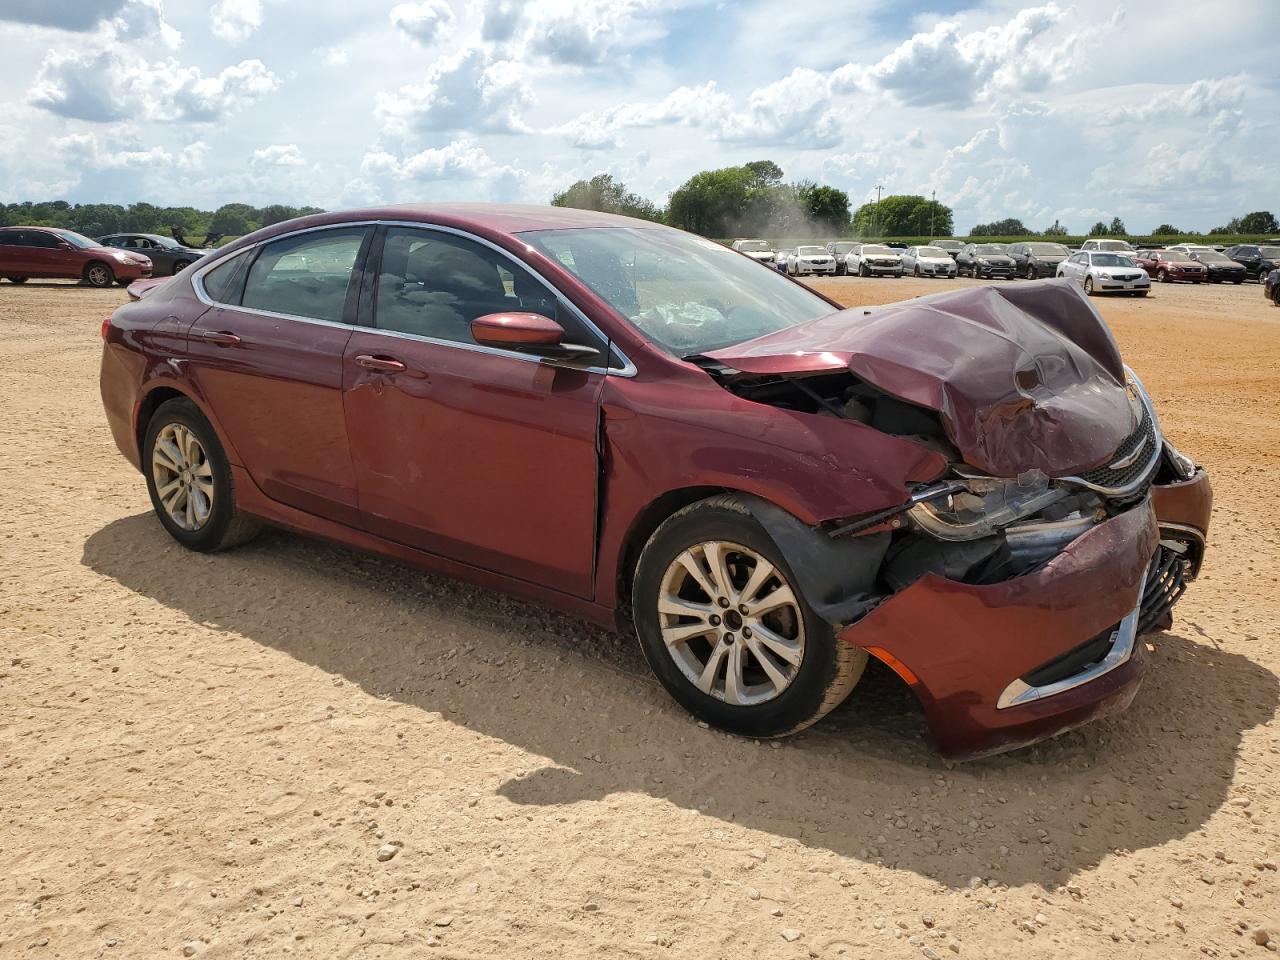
x=295, y=748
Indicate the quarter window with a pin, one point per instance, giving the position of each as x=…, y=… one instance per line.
x=434, y=284
x=306, y=275
x=10, y=238
x=225, y=281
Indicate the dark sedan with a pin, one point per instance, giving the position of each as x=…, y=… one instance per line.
x=766, y=488
x=1257, y=259
x=167, y=255
x=988, y=260
x=1219, y=267
x=1035, y=260
x=1271, y=287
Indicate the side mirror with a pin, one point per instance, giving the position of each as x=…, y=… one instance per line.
x=63, y=245
x=528, y=333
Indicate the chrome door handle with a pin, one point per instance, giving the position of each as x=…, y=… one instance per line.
x=383, y=364
x=222, y=338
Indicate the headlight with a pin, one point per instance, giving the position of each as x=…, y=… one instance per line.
x=985, y=263
x=1183, y=465
x=986, y=505
x=121, y=258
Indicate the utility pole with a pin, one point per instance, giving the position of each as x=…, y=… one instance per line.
x=876, y=219
x=933, y=209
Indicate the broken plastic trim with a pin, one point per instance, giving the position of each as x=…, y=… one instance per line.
x=873, y=519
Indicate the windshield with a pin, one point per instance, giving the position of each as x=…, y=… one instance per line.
x=950, y=244
x=873, y=248
x=935, y=252
x=1212, y=256
x=989, y=248
x=753, y=246
x=810, y=251
x=1047, y=249
x=76, y=240
x=1173, y=256
x=1112, y=260
x=844, y=247
x=1113, y=245
x=167, y=242
x=687, y=294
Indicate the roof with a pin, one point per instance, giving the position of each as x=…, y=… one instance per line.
x=501, y=217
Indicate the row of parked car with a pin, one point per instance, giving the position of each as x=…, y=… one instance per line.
x=49, y=253
x=1194, y=263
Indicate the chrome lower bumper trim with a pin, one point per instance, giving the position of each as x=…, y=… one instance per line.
x=1123, y=639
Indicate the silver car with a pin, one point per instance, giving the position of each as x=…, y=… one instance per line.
x=928, y=262
x=873, y=259
x=810, y=259
x=1106, y=273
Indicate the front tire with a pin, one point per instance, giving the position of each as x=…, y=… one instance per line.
x=17, y=280
x=863, y=271
x=98, y=274
x=724, y=627
x=1088, y=286
x=180, y=265
x=189, y=480
x=1163, y=276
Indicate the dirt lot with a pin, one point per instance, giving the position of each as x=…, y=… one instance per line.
x=206, y=753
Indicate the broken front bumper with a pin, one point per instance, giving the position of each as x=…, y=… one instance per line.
x=987, y=661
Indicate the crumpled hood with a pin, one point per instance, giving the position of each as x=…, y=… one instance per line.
x=1024, y=377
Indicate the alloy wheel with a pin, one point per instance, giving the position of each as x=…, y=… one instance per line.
x=99, y=275
x=731, y=623
x=183, y=476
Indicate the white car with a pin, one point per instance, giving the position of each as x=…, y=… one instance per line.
x=1102, y=272
x=755, y=249
x=928, y=262
x=806, y=260
x=1106, y=246
x=873, y=259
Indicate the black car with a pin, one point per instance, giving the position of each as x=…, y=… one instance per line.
x=167, y=255
x=1039, y=259
x=1271, y=287
x=1222, y=269
x=985, y=260
x=1257, y=259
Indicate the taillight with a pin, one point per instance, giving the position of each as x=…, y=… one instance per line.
x=106, y=325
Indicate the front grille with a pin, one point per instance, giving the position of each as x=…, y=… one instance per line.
x=1136, y=453
x=1166, y=582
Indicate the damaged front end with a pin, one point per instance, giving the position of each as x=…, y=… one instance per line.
x=1010, y=593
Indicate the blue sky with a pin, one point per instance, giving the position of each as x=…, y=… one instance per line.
x=1074, y=111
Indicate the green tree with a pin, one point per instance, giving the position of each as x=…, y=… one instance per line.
x=1166, y=230
x=1055, y=229
x=903, y=215
x=767, y=173
x=1008, y=227
x=826, y=208
x=604, y=193
x=1260, y=221
x=1099, y=229
x=1117, y=228
x=233, y=220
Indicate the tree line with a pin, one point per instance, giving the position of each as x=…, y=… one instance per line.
x=1251, y=224
x=99, y=219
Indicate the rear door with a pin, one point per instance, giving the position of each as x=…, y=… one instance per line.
x=481, y=455
x=267, y=357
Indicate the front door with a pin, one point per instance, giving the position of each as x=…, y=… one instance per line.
x=268, y=360
x=485, y=456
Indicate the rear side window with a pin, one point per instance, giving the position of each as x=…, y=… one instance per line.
x=46, y=241
x=10, y=238
x=225, y=281
x=305, y=275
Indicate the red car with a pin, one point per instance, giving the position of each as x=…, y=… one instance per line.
x=27, y=252
x=641, y=427
x=1170, y=266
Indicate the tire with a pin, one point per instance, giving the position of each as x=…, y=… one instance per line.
x=916, y=271
x=180, y=265
x=123, y=283
x=863, y=271
x=1238, y=282
x=1088, y=286
x=827, y=669
x=99, y=274
x=1142, y=293
x=1163, y=276
x=222, y=526
x=1031, y=272
x=17, y=280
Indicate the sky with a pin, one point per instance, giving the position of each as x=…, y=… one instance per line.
x=1071, y=111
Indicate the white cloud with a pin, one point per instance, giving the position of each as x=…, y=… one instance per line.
x=466, y=92
x=279, y=155
x=115, y=19
x=85, y=150
x=425, y=21
x=333, y=56
x=235, y=20
x=461, y=163
x=576, y=32
x=109, y=86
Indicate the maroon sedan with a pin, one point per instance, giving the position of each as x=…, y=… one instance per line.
x=1170, y=266
x=27, y=252
x=641, y=427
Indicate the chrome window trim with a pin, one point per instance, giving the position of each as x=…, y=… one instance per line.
x=628, y=369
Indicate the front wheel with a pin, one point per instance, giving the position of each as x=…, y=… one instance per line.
x=723, y=625
x=916, y=271
x=1088, y=286
x=18, y=280
x=189, y=480
x=98, y=274
x=1031, y=272
x=863, y=271
x=180, y=265
x=1163, y=276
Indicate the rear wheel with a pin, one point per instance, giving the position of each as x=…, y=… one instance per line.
x=98, y=274
x=18, y=280
x=189, y=480
x=180, y=265
x=725, y=629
